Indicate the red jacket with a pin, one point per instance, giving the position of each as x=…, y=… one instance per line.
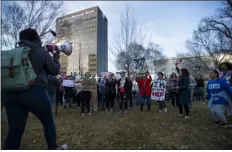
x=144, y=86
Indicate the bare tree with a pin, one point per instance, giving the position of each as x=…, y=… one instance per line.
x=17, y=16
x=221, y=22
x=128, y=34
x=155, y=57
x=204, y=49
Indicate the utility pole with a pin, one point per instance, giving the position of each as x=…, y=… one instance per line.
x=80, y=60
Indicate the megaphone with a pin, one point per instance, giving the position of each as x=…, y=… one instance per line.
x=64, y=47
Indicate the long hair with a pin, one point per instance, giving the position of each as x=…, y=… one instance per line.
x=185, y=72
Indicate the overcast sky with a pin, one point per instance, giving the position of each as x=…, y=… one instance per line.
x=168, y=24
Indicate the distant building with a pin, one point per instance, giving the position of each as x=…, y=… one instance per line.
x=88, y=31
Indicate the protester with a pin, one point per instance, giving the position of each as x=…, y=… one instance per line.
x=122, y=91
x=162, y=104
x=53, y=83
x=226, y=72
x=85, y=101
x=78, y=86
x=60, y=92
x=173, y=83
x=110, y=92
x=200, y=89
x=98, y=92
x=129, y=92
x=184, y=92
x=192, y=85
x=35, y=99
x=68, y=95
x=219, y=94
x=145, y=90
x=102, y=90
x=135, y=88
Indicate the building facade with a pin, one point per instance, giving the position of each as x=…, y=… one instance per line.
x=87, y=30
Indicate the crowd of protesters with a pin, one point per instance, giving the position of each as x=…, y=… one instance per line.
x=182, y=90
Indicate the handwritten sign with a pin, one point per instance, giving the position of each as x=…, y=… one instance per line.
x=140, y=66
x=158, y=90
x=68, y=83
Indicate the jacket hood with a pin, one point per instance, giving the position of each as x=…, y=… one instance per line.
x=31, y=44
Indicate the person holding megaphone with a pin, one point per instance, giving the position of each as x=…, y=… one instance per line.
x=35, y=97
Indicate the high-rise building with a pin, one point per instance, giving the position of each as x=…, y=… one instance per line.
x=87, y=30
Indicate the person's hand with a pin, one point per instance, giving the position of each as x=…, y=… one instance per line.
x=56, y=54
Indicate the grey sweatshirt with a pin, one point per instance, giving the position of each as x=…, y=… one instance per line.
x=42, y=63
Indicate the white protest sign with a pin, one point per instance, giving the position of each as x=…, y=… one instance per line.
x=68, y=83
x=158, y=90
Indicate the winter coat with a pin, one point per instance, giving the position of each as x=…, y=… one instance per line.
x=145, y=87
x=126, y=85
x=184, y=90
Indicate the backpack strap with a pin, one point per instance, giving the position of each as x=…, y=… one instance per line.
x=11, y=67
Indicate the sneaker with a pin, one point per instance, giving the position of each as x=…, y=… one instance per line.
x=160, y=111
x=180, y=115
x=125, y=111
x=165, y=110
x=62, y=147
x=186, y=117
x=83, y=114
x=111, y=110
x=120, y=111
x=89, y=113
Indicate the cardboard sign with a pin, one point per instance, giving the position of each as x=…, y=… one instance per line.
x=158, y=90
x=68, y=83
x=140, y=66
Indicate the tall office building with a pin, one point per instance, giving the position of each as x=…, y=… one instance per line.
x=87, y=30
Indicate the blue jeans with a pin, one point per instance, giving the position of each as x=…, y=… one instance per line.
x=147, y=98
x=103, y=97
x=218, y=112
x=18, y=105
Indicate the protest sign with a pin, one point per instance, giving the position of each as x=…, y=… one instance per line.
x=140, y=66
x=158, y=90
x=68, y=83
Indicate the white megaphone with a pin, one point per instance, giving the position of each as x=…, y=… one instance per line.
x=64, y=47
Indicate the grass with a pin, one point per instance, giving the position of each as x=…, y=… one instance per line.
x=134, y=130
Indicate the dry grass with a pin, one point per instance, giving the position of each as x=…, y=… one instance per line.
x=135, y=130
